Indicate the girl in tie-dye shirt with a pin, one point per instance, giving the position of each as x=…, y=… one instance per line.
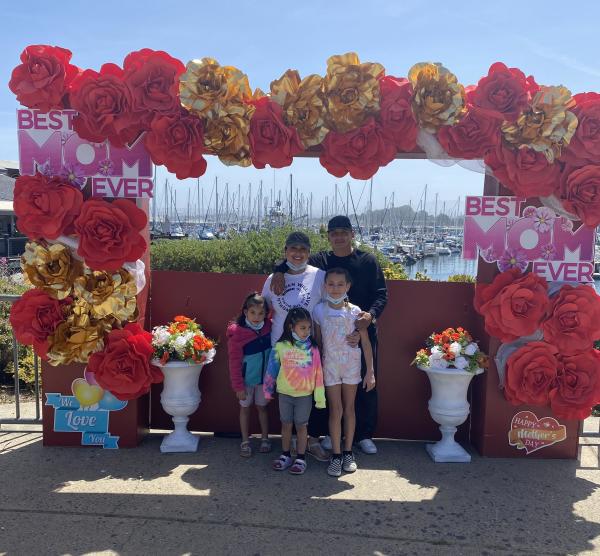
x=294, y=370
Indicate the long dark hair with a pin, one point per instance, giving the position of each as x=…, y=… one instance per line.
x=294, y=316
x=251, y=300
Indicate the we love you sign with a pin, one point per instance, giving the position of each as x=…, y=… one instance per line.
x=505, y=231
x=48, y=144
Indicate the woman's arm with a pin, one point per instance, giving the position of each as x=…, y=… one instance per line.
x=369, y=380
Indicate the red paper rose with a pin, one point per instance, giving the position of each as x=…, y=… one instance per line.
x=42, y=79
x=476, y=133
x=177, y=141
x=527, y=173
x=45, y=207
x=574, y=321
x=34, y=317
x=104, y=105
x=531, y=374
x=504, y=91
x=577, y=385
x=361, y=151
x=123, y=367
x=584, y=147
x=271, y=141
x=579, y=193
x=396, y=115
x=153, y=79
x=109, y=233
x=513, y=305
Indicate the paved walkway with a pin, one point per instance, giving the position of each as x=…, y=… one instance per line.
x=138, y=501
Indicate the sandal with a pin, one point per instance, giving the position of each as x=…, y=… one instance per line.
x=317, y=451
x=281, y=463
x=245, y=449
x=299, y=467
x=265, y=446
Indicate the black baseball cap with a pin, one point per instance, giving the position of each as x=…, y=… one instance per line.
x=339, y=222
x=298, y=238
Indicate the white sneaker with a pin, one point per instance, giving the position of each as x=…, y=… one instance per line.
x=368, y=446
x=326, y=443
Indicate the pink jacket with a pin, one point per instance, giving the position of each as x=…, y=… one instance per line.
x=243, y=346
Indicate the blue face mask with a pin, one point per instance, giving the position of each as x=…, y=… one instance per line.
x=335, y=300
x=297, y=267
x=297, y=338
x=253, y=326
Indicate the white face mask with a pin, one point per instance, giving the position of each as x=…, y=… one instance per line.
x=253, y=326
x=297, y=338
x=335, y=300
x=297, y=267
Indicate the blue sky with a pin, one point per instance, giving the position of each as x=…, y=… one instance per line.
x=265, y=38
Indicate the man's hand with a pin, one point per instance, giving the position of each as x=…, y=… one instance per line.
x=363, y=320
x=241, y=395
x=353, y=339
x=369, y=381
x=278, y=283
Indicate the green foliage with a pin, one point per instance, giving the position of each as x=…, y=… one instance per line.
x=395, y=271
x=422, y=276
x=462, y=278
x=8, y=286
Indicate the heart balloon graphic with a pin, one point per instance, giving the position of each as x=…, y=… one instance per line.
x=86, y=394
x=110, y=403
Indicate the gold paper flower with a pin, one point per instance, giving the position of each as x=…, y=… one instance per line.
x=108, y=293
x=206, y=87
x=227, y=135
x=438, y=98
x=546, y=125
x=75, y=339
x=51, y=268
x=302, y=103
x=351, y=91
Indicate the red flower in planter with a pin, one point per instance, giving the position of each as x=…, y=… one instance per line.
x=42, y=79
x=109, y=233
x=531, y=374
x=45, y=207
x=579, y=193
x=396, y=115
x=123, y=367
x=513, y=305
x=577, y=385
x=271, y=141
x=153, y=80
x=477, y=133
x=574, y=321
x=504, y=91
x=177, y=141
x=527, y=173
x=34, y=317
x=104, y=105
x=361, y=152
x=584, y=147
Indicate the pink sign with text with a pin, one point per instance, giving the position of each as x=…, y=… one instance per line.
x=48, y=144
x=505, y=231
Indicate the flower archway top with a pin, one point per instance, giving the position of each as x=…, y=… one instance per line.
x=537, y=140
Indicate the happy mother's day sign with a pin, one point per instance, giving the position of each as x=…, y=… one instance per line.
x=48, y=144
x=504, y=231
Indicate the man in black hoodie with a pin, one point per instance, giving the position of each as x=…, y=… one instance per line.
x=369, y=292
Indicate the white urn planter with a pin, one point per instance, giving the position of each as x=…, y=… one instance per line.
x=180, y=398
x=449, y=408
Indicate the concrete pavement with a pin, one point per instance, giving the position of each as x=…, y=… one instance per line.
x=139, y=501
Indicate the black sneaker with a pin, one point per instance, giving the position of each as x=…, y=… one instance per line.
x=335, y=467
x=349, y=465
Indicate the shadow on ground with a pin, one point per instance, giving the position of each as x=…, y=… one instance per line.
x=140, y=501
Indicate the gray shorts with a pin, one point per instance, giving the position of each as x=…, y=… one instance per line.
x=295, y=410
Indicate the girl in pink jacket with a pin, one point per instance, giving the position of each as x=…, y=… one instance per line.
x=249, y=347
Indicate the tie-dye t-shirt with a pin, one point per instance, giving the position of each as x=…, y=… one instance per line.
x=295, y=370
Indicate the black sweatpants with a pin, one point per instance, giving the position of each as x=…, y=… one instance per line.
x=365, y=404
